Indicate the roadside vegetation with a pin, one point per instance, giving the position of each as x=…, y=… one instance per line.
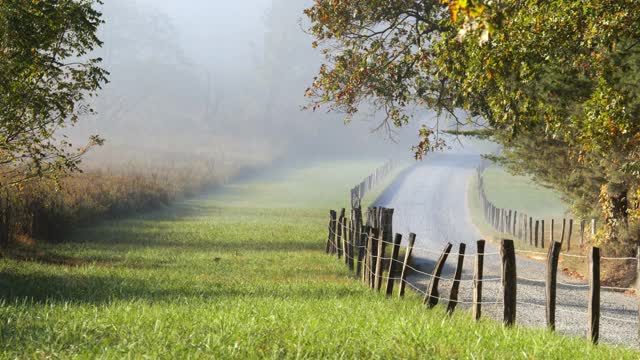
x=47, y=210
x=241, y=273
x=521, y=193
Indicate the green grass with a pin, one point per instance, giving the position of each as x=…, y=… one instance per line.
x=519, y=193
x=522, y=194
x=239, y=274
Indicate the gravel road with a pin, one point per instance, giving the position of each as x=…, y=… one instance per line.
x=430, y=199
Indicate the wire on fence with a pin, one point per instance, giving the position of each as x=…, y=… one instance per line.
x=368, y=269
x=438, y=252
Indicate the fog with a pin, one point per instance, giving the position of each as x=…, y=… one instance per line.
x=220, y=77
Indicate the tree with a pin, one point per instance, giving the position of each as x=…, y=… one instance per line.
x=552, y=74
x=46, y=75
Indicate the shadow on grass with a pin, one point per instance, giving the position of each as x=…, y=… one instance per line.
x=102, y=289
x=33, y=254
x=248, y=245
x=108, y=243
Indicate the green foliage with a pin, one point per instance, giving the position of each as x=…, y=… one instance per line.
x=46, y=76
x=554, y=81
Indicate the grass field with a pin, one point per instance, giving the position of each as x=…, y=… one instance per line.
x=240, y=273
x=522, y=194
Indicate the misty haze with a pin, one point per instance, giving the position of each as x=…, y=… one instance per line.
x=319, y=179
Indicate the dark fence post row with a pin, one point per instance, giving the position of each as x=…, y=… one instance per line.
x=371, y=244
x=364, y=245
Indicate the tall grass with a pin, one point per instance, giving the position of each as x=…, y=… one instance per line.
x=47, y=210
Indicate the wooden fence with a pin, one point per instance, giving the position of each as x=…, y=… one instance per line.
x=371, y=251
x=371, y=181
x=527, y=229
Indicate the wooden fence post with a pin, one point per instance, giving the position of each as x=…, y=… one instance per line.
x=581, y=232
x=339, y=236
x=366, y=266
x=515, y=218
x=569, y=234
x=594, y=295
x=504, y=220
x=542, y=233
x=552, y=236
x=453, y=295
x=530, y=230
x=520, y=229
x=431, y=297
x=382, y=246
x=356, y=221
x=345, y=240
x=352, y=246
x=393, y=264
x=373, y=244
x=407, y=256
x=537, y=228
x=564, y=224
x=477, y=280
x=509, y=281
x=330, y=249
x=494, y=216
x=386, y=220
x=362, y=260
x=593, y=229
x=551, y=283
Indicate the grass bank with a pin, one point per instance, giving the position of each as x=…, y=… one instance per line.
x=521, y=194
x=240, y=273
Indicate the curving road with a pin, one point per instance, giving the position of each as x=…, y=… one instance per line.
x=430, y=199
